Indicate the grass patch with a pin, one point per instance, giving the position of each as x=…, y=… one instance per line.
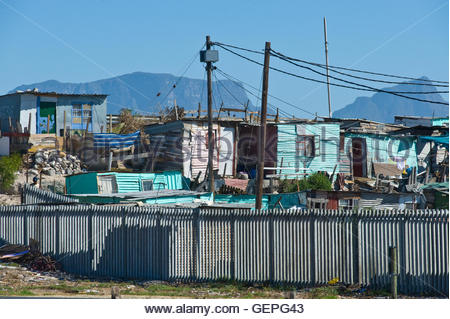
x=326, y=292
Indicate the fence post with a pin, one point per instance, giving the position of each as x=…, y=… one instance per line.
x=232, y=248
x=271, y=247
x=124, y=242
x=57, y=231
x=90, y=242
x=402, y=252
x=355, y=248
x=393, y=270
x=25, y=225
x=195, y=241
x=159, y=245
x=312, y=246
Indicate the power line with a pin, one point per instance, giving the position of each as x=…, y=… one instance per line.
x=179, y=78
x=232, y=95
x=239, y=48
x=360, y=77
x=342, y=68
x=366, y=86
x=233, y=79
x=362, y=88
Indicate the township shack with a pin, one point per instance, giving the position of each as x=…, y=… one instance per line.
x=365, y=144
x=411, y=121
x=350, y=200
x=294, y=149
x=37, y=112
x=183, y=145
x=114, y=182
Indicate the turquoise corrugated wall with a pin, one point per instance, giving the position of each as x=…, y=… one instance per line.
x=82, y=183
x=288, y=200
x=241, y=199
x=386, y=149
x=439, y=121
x=327, y=136
x=131, y=182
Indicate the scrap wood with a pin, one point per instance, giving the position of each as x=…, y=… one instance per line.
x=28, y=256
x=9, y=251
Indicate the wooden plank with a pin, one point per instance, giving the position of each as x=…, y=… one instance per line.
x=131, y=156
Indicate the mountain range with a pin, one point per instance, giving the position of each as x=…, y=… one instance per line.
x=150, y=92
x=382, y=107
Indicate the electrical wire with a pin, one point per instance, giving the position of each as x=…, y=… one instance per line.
x=225, y=88
x=231, y=78
x=342, y=68
x=178, y=79
x=354, y=83
x=360, y=77
x=363, y=88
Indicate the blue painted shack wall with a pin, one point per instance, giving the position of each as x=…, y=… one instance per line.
x=386, y=149
x=327, y=148
x=9, y=107
x=64, y=103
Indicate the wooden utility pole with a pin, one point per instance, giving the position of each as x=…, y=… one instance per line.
x=262, y=130
x=210, y=123
x=326, y=60
x=176, y=108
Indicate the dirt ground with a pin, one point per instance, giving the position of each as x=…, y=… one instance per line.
x=17, y=281
x=51, y=182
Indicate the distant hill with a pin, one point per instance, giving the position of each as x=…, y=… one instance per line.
x=382, y=107
x=138, y=91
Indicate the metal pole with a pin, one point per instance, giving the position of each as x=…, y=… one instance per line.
x=262, y=130
x=326, y=59
x=393, y=270
x=210, y=124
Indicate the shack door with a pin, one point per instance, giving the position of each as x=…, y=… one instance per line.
x=107, y=184
x=47, y=118
x=359, y=151
x=226, y=151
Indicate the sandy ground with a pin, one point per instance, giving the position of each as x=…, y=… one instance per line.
x=57, y=181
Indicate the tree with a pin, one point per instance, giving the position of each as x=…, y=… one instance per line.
x=316, y=181
x=9, y=165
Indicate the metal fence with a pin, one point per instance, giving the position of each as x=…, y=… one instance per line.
x=33, y=195
x=301, y=247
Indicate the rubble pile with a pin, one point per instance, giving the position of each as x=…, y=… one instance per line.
x=54, y=162
x=34, y=260
x=28, y=256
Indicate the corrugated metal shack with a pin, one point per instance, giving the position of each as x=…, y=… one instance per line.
x=360, y=200
x=115, y=182
x=33, y=109
x=305, y=148
x=363, y=143
x=154, y=197
x=183, y=145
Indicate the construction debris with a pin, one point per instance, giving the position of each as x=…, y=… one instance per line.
x=28, y=256
x=54, y=162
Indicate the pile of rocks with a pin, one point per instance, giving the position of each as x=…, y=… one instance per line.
x=55, y=162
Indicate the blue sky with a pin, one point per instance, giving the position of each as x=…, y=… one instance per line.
x=78, y=41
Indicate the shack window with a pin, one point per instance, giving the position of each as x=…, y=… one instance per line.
x=147, y=184
x=348, y=203
x=307, y=145
x=81, y=115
